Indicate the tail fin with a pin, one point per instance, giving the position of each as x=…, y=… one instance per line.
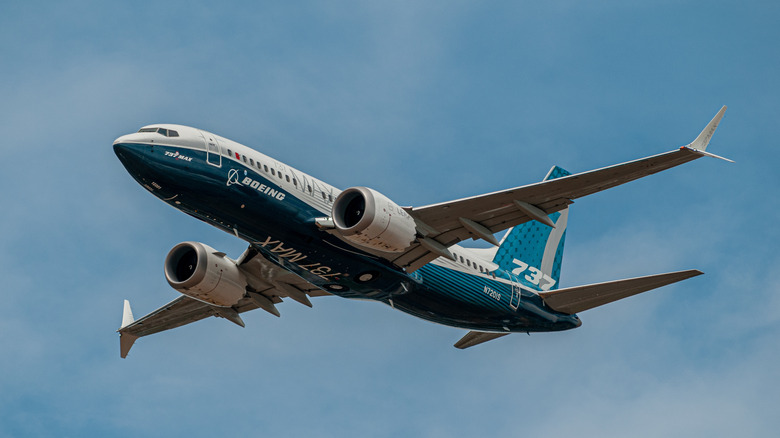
x=532, y=251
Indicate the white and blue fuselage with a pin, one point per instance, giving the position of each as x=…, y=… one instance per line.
x=276, y=208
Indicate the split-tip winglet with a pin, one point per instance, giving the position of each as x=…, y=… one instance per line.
x=703, y=140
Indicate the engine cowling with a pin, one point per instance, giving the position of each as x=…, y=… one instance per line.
x=369, y=219
x=200, y=272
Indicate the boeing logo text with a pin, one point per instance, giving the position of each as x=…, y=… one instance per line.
x=257, y=185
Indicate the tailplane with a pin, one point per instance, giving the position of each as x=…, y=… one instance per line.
x=533, y=251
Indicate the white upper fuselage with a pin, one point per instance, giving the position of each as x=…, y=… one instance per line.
x=312, y=191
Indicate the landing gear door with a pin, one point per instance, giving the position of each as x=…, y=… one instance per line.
x=213, y=155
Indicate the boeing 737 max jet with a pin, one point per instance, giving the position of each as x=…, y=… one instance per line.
x=308, y=239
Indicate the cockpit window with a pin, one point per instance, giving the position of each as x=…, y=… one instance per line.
x=163, y=131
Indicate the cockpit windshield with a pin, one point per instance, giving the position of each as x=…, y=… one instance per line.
x=163, y=131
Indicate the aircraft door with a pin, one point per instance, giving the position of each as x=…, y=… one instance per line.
x=213, y=155
x=514, y=301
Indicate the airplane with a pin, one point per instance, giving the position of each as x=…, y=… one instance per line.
x=307, y=238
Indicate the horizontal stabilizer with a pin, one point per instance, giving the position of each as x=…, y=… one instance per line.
x=576, y=299
x=473, y=338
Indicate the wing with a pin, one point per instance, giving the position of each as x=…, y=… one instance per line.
x=268, y=285
x=445, y=224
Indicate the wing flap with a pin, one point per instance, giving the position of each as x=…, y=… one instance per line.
x=577, y=299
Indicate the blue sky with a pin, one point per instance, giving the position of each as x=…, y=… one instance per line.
x=424, y=102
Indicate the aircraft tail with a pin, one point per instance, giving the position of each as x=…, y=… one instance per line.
x=533, y=251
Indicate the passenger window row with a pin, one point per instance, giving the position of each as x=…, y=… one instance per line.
x=473, y=265
x=264, y=167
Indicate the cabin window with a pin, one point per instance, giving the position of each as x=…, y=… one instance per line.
x=273, y=172
x=287, y=177
x=266, y=168
x=280, y=175
x=461, y=259
x=330, y=197
x=244, y=158
x=323, y=196
x=230, y=153
x=295, y=182
x=251, y=162
x=468, y=263
x=309, y=187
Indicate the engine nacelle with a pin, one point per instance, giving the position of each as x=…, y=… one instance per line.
x=202, y=273
x=368, y=219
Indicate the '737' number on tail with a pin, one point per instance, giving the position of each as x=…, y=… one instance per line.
x=535, y=276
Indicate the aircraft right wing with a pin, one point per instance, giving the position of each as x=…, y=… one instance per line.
x=448, y=223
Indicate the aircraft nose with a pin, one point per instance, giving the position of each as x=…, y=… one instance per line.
x=131, y=156
x=122, y=139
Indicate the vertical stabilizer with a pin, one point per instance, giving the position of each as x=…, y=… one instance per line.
x=533, y=251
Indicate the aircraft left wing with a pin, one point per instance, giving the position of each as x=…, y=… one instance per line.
x=445, y=224
x=268, y=284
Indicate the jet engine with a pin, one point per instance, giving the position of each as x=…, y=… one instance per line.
x=200, y=272
x=368, y=219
